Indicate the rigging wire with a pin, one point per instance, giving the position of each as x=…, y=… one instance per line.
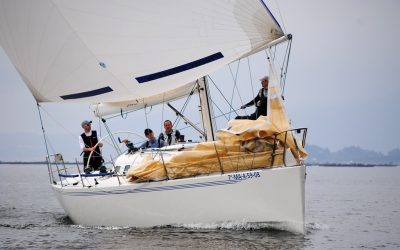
x=289, y=48
x=178, y=118
x=251, y=80
x=215, y=117
x=162, y=113
x=231, y=108
x=58, y=123
x=222, y=112
x=280, y=15
x=49, y=144
x=99, y=122
x=234, y=84
x=45, y=143
x=285, y=63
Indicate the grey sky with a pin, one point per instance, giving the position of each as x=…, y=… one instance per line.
x=342, y=83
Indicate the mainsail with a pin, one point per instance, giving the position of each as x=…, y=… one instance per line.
x=122, y=53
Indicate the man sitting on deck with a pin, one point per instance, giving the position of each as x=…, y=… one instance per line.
x=151, y=142
x=170, y=136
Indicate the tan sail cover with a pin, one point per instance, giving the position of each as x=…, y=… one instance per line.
x=245, y=144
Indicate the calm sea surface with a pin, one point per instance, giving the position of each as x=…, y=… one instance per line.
x=346, y=208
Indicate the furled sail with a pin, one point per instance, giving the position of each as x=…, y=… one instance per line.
x=245, y=144
x=122, y=52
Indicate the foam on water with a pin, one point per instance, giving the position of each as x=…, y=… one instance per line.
x=238, y=225
x=232, y=225
x=314, y=226
x=100, y=227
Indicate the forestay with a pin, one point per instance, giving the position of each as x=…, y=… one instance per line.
x=126, y=53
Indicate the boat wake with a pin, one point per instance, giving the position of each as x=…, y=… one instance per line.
x=17, y=226
x=100, y=227
x=314, y=226
x=247, y=226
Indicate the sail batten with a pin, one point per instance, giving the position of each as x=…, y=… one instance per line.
x=79, y=50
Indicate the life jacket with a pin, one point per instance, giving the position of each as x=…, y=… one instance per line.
x=170, y=139
x=262, y=103
x=90, y=141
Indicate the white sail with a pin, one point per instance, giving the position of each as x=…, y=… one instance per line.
x=108, y=108
x=97, y=51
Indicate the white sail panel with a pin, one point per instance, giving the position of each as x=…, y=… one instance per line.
x=97, y=51
x=108, y=108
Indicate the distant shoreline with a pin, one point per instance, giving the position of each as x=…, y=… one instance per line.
x=34, y=163
x=308, y=164
x=363, y=165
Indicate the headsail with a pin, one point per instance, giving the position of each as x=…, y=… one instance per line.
x=116, y=51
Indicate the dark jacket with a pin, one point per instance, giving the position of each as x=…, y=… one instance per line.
x=261, y=103
x=96, y=159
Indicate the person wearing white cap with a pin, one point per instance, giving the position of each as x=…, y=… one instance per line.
x=260, y=101
x=87, y=141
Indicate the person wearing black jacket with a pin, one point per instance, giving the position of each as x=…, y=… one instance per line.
x=87, y=141
x=170, y=136
x=260, y=101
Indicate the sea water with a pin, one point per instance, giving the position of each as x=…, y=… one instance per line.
x=346, y=207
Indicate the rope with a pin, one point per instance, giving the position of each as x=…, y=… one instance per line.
x=145, y=115
x=122, y=115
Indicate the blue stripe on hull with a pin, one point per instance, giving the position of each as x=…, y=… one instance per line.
x=155, y=189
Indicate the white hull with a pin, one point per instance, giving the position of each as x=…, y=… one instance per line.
x=263, y=195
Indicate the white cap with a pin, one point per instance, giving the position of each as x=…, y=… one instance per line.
x=264, y=78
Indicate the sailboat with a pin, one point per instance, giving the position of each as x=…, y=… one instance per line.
x=122, y=56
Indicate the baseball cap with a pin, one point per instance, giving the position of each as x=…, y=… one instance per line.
x=85, y=122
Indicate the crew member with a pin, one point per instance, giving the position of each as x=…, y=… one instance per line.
x=87, y=141
x=260, y=101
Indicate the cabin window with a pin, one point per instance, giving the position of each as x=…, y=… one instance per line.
x=126, y=168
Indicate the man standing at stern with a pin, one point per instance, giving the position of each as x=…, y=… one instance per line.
x=260, y=101
x=87, y=141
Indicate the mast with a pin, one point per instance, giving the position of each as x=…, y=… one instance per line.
x=205, y=108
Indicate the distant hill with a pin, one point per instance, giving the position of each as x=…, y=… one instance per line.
x=352, y=154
